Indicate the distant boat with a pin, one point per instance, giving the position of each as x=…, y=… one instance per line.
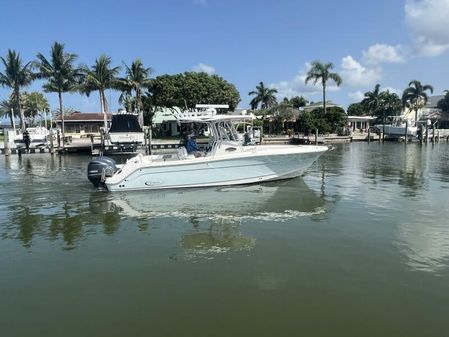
x=39, y=136
x=125, y=129
x=396, y=129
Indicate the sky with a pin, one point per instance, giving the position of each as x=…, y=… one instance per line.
x=389, y=42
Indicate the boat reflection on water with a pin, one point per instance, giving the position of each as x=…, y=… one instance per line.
x=216, y=213
x=275, y=201
x=216, y=238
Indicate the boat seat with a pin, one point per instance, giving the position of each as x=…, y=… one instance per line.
x=182, y=153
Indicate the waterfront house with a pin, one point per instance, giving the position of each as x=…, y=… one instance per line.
x=83, y=124
x=165, y=122
x=360, y=123
x=432, y=112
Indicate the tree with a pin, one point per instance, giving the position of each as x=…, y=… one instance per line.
x=263, y=96
x=321, y=72
x=298, y=102
x=356, y=109
x=333, y=121
x=34, y=103
x=390, y=104
x=372, y=100
x=100, y=77
x=136, y=79
x=61, y=75
x=415, y=96
x=7, y=109
x=190, y=88
x=443, y=103
x=381, y=103
x=16, y=76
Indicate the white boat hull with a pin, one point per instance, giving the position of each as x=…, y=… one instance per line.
x=126, y=137
x=39, y=137
x=261, y=164
x=399, y=131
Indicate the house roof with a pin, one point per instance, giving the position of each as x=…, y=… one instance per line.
x=84, y=117
x=316, y=105
x=437, y=114
x=432, y=101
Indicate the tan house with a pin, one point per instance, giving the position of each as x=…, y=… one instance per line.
x=83, y=123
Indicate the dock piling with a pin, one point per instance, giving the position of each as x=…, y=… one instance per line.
x=406, y=131
x=7, y=149
x=145, y=138
x=433, y=133
x=52, y=145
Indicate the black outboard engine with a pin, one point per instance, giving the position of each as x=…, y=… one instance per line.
x=99, y=169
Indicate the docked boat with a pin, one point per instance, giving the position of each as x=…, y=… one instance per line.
x=398, y=127
x=38, y=137
x=125, y=129
x=226, y=161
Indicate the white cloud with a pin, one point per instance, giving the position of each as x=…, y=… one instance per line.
x=356, y=75
x=297, y=86
x=356, y=96
x=383, y=53
x=205, y=68
x=428, y=23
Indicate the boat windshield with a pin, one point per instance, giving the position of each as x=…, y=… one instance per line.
x=222, y=127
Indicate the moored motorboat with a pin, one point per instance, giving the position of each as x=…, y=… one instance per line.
x=226, y=161
x=125, y=129
x=37, y=136
x=398, y=127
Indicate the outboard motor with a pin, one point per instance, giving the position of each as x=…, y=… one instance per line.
x=99, y=169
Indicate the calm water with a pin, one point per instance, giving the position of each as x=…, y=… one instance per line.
x=357, y=247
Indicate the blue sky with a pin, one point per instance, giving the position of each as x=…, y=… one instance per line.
x=387, y=42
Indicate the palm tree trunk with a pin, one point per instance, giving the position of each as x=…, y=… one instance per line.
x=11, y=116
x=139, y=107
x=19, y=108
x=105, y=103
x=61, y=110
x=103, y=111
x=416, y=116
x=324, y=97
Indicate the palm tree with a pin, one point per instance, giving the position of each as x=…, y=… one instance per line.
x=62, y=76
x=34, y=103
x=390, y=103
x=7, y=109
x=298, y=102
x=16, y=76
x=321, y=72
x=136, y=79
x=263, y=96
x=415, y=96
x=100, y=77
x=443, y=103
x=373, y=100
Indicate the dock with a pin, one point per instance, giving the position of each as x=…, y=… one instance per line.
x=95, y=146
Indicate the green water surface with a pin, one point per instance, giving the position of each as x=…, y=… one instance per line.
x=359, y=246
